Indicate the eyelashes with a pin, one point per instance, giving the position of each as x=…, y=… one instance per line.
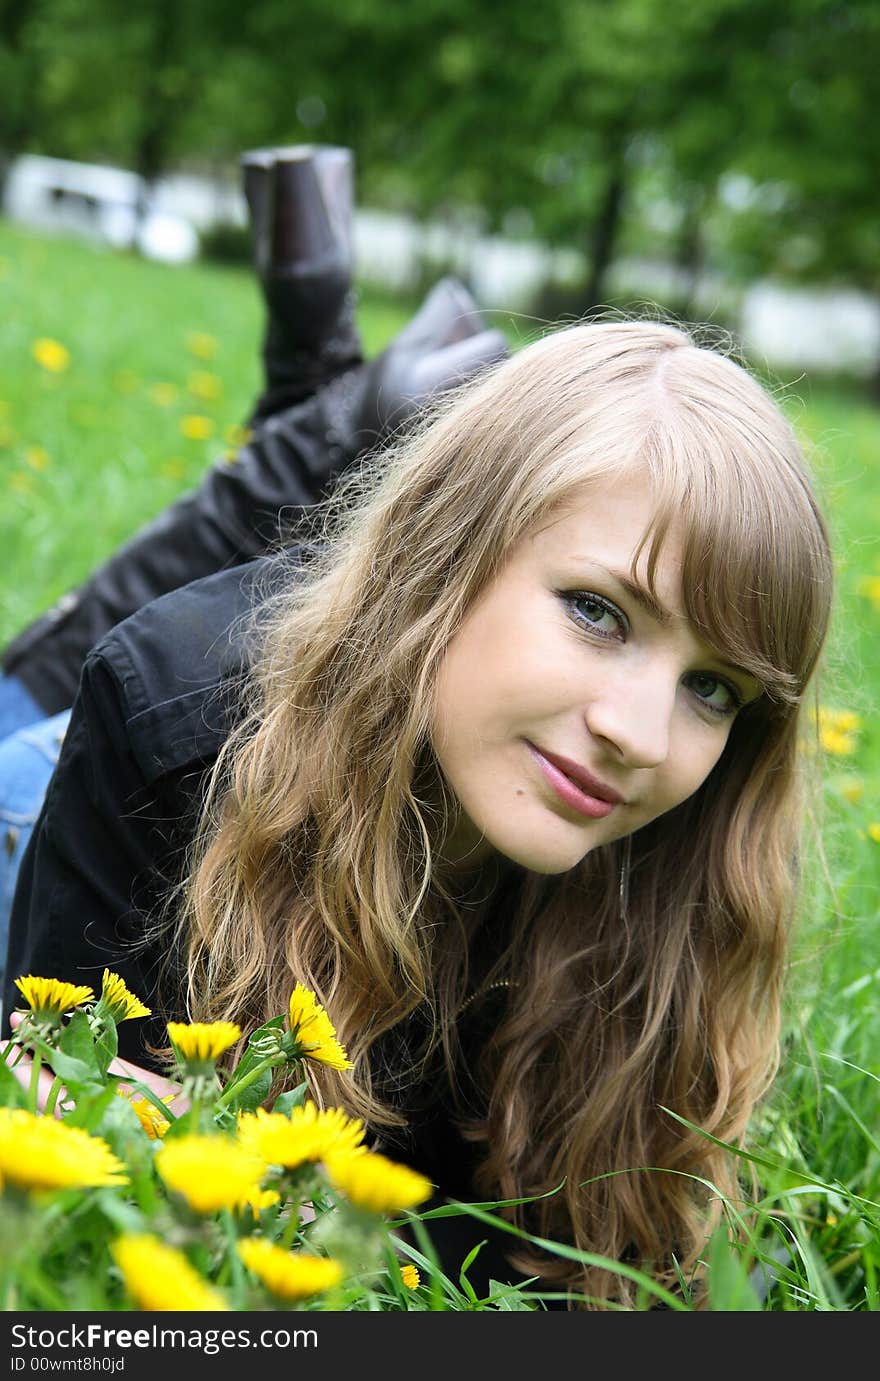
x=575, y=601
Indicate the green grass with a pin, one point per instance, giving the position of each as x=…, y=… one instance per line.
x=87, y=455
x=111, y=455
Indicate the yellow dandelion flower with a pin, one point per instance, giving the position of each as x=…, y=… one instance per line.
x=118, y=1001
x=874, y=831
x=375, y=1183
x=160, y=1278
x=211, y=1172
x=149, y=1116
x=203, y=385
x=37, y=457
x=288, y=1275
x=164, y=395
x=410, y=1274
x=845, y=721
x=870, y=586
x=51, y=354
x=49, y=998
x=852, y=790
x=258, y=1199
x=236, y=435
x=196, y=427
x=834, y=741
x=315, y=1031
x=44, y=1153
x=200, y=344
x=308, y=1134
x=203, y=1041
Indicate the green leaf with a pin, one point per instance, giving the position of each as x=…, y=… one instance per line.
x=106, y=1046
x=78, y=1042
x=251, y=1057
x=508, y=1298
x=730, y=1290
x=290, y=1099
x=74, y=1072
x=12, y=1095
x=252, y=1097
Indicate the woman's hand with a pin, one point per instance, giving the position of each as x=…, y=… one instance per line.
x=157, y=1082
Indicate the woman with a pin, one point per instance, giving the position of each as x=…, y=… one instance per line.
x=511, y=783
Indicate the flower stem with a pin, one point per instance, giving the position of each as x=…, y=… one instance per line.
x=239, y=1085
x=34, y=1090
x=52, y=1098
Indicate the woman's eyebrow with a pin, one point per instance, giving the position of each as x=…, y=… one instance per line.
x=642, y=596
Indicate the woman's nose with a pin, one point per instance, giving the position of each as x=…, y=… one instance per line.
x=635, y=719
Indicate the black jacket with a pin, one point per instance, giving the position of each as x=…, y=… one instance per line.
x=157, y=697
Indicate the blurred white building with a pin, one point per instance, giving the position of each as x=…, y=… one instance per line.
x=789, y=328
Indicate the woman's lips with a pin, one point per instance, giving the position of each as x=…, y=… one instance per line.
x=572, y=795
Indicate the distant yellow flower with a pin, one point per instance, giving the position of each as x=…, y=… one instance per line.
x=20, y=483
x=118, y=1001
x=7, y=435
x=164, y=394
x=44, y=1153
x=852, y=790
x=37, y=457
x=874, y=831
x=315, y=1031
x=870, y=586
x=201, y=384
x=308, y=1134
x=173, y=469
x=375, y=1183
x=203, y=1041
x=211, y=1172
x=200, y=344
x=845, y=721
x=237, y=435
x=51, y=354
x=288, y=1275
x=49, y=999
x=410, y=1274
x=149, y=1116
x=160, y=1278
x=839, y=744
x=196, y=427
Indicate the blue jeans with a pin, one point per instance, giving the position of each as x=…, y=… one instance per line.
x=18, y=708
x=27, y=759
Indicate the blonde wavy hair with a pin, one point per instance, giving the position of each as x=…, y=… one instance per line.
x=316, y=859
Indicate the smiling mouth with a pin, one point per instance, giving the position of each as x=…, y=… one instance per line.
x=570, y=792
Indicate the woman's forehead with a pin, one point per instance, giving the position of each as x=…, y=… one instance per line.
x=611, y=520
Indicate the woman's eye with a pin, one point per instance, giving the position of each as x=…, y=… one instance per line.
x=708, y=687
x=596, y=614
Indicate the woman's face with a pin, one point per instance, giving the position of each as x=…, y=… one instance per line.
x=560, y=668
